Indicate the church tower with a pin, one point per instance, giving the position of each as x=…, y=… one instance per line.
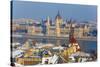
x=72, y=41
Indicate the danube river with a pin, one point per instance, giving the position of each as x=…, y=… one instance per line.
x=86, y=45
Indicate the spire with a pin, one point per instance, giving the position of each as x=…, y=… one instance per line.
x=58, y=15
x=71, y=34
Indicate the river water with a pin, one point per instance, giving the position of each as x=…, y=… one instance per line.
x=86, y=46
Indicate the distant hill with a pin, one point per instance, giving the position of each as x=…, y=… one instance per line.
x=25, y=21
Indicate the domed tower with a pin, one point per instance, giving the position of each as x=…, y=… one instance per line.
x=72, y=41
x=58, y=21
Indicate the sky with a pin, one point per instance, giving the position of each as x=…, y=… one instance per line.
x=40, y=10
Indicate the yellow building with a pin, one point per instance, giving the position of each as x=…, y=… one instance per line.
x=86, y=29
x=31, y=30
x=15, y=27
x=26, y=45
x=28, y=60
x=80, y=31
x=73, y=45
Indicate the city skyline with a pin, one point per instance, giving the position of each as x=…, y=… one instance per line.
x=32, y=10
x=48, y=33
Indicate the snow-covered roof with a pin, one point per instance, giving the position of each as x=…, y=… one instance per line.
x=80, y=54
x=59, y=47
x=41, y=45
x=52, y=59
x=16, y=43
x=17, y=53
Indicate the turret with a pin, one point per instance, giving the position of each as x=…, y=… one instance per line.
x=48, y=25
